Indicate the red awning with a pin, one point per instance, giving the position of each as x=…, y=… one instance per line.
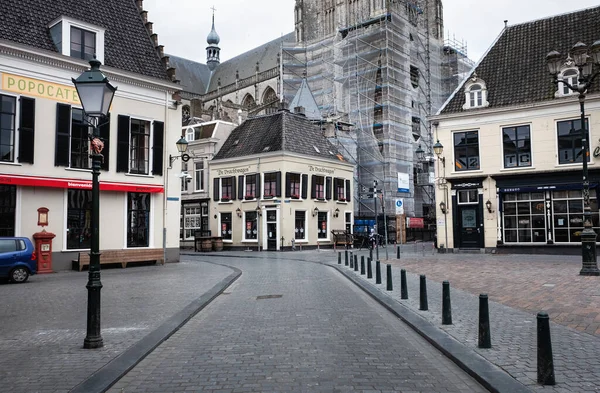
x=35, y=181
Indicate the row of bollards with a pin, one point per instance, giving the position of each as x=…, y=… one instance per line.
x=545, y=363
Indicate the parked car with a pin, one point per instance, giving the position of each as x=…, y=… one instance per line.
x=17, y=259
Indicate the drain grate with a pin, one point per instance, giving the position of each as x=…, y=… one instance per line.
x=268, y=297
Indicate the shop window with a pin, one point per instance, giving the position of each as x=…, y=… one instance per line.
x=567, y=213
x=8, y=204
x=250, y=223
x=517, y=146
x=192, y=221
x=300, y=225
x=524, y=217
x=138, y=219
x=226, y=227
x=79, y=216
x=137, y=139
x=466, y=151
x=570, y=149
x=322, y=225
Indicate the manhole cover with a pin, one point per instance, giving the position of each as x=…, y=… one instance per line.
x=268, y=297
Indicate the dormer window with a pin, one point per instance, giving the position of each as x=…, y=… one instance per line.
x=77, y=39
x=475, y=93
x=571, y=76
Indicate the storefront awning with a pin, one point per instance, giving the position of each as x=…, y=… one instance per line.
x=52, y=182
x=554, y=187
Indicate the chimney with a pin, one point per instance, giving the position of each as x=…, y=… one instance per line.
x=140, y=5
x=299, y=110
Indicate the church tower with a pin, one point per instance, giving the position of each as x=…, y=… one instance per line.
x=213, y=50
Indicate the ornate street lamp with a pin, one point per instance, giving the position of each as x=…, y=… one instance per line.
x=584, y=59
x=182, y=146
x=96, y=95
x=438, y=149
x=420, y=153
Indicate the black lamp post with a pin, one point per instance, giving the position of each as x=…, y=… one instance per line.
x=96, y=95
x=438, y=149
x=585, y=64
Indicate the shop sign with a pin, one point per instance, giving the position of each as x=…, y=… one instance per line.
x=34, y=181
x=232, y=171
x=38, y=88
x=321, y=169
x=415, y=222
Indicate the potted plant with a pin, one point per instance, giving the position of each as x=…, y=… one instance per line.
x=249, y=196
x=295, y=196
x=225, y=198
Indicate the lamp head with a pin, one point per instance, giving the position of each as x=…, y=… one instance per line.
x=443, y=207
x=554, y=61
x=595, y=52
x=336, y=212
x=239, y=212
x=488, y=205
x=438, y=148
x=315, y=211
x=579, y=54
x=182, y=145
x=420, y=153
x=94, y=90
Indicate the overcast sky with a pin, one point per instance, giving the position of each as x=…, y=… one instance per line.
x=182, y=25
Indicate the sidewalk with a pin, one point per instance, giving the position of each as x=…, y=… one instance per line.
x=518, y=286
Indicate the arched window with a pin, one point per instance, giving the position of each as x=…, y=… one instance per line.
x=270, y=99
x=475, y=93
x=475, y=96
x=571, y=76
x=189, y=134
x=248, y=101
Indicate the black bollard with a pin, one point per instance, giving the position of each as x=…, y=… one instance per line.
x=346, y=260
x=362, y=265
x=389, y=278
x=377, y=272
x=446, y=307
x=351, y=260
x=403, y=287
x=545, y=363
x=355, y=263
x=423, y=293
x=369, y=268
x=398, y=252
x=485, y=339
x=339, y=258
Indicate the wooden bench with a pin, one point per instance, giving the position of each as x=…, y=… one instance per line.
x=341, y=237
x=122, y=256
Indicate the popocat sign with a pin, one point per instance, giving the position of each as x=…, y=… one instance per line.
x=38, y=88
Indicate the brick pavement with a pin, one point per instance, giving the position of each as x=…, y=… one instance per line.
x=322, y=334
x=44, y=320
x=518, y=287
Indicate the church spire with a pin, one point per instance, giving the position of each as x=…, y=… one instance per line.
x=213, y=50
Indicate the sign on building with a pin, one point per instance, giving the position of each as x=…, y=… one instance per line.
x=403, y=182
x=399, y=206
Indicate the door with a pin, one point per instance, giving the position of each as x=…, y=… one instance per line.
x=469, y=226
x=271, y=230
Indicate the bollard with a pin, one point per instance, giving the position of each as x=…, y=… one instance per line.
x=369, y=268
x=403, y=287
x=389, y=278
x=485, y=340
x=545, y=363
x=339, y=258
x=362, y=265
x=423, y=293
x=371, y=253
x=398, y=252
x=377, y=272
x=446, y=307
x=351, y=260
x=346, y=260
x=356, y=263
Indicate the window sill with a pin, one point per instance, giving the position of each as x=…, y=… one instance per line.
x=341, y=202
x=250, y=241
x=138, y=175
x=295, y=200
x=298, y=241
x=79, y=170
x=321, y=200
x=575, y=164
x=323, y=240
x=225, y=202
x=468, y=171
x=521, y=168
x=227, y=241
x=249, y=201
x=10, y=163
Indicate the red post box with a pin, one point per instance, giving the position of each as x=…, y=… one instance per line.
x=43, y=251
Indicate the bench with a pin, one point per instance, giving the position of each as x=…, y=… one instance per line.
x=341, y=237
x=121, y=256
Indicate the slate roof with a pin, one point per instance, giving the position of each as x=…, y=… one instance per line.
x=515, y=70
x=194, y=76
x=127, y=43
x=305, y=98
x=280, y=131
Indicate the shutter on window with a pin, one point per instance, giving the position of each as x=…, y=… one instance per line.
x=63, y=131
x=123, y=144
x=348, y=191
x=216, y=191
x=288, y=184
x=233, y=193
x=335, y=184
x=313, y=186
x=327, y=188
x=157, y=148
x=105, y=136
x=304, y=186
x=241, y=187
x=258, y=187
x=278, y=184
x=27, y=130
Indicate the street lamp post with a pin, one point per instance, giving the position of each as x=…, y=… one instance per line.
x=585, y=64
x=438, y=149
x=96, y=94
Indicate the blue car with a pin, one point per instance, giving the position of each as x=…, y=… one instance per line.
x=17, y=259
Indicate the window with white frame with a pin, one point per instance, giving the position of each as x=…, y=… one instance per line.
x=192, y=221
x=270, y=186
x=250, y=225
x=293, y=185
x=226, y=227
x=466, y=151
x=189, y=134
x=475, y=93
x=322, y=225
x=184, y=179
x=516, y=142
x=567, y=213
x=524, y=218
x=300, y=225
x=77, y=39
x=199, y=176
x=227, y=188
x=570, y=76
x=139, y=146
x=318, y=187
x=465, y=197
x=138, y=219
x=250, y=186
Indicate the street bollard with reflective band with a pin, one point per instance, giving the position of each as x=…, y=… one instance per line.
x=485, y=339
x=545, y=362
x=346, y=256
x=362, y=265
x=423, y=305
x=377, y=272
x=339, y=258
x=369, y=268
x=446, y=306
x=403, y=287
x=355, y=263
x=389, y=278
